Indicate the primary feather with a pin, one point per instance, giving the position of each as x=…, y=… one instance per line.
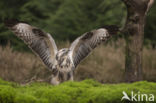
x=64, y=61
x=40, y=42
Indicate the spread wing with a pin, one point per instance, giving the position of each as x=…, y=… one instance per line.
x=40, y=42
x=84, y=44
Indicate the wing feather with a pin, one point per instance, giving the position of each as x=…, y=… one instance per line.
x=84, y=44
x=40, y=42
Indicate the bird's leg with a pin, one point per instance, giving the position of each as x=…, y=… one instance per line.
x=55, y=80
x=71, y=76
x=61, y=77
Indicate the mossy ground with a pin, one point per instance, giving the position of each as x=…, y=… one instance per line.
x=87, y=91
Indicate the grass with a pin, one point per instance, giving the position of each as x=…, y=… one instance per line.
x=105, y=64
x=87, y=91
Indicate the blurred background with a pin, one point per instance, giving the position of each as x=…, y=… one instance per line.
x=66, y=20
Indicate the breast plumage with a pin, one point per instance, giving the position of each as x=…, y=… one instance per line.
x=62, y=63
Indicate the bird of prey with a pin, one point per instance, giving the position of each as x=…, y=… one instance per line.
x=62, y=62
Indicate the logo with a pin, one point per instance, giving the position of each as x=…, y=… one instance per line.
x=137, y=96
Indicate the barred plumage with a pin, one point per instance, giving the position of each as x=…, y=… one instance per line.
x=63, y=62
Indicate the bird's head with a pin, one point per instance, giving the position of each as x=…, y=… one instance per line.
x=112, y=29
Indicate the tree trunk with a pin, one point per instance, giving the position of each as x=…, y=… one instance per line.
x=134, y=30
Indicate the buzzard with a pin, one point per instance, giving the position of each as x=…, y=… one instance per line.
x=62, y=62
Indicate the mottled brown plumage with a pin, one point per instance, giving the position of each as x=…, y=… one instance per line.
x=63, y=62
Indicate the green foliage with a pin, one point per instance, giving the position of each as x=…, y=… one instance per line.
x=64, y=19
x=87, y=91
x=74, y=18
x=150, y=27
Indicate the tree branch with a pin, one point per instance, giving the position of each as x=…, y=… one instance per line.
x=150, y=3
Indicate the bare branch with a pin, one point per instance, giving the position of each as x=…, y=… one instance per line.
x=150, y=3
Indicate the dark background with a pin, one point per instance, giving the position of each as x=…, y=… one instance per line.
x=68, y=19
